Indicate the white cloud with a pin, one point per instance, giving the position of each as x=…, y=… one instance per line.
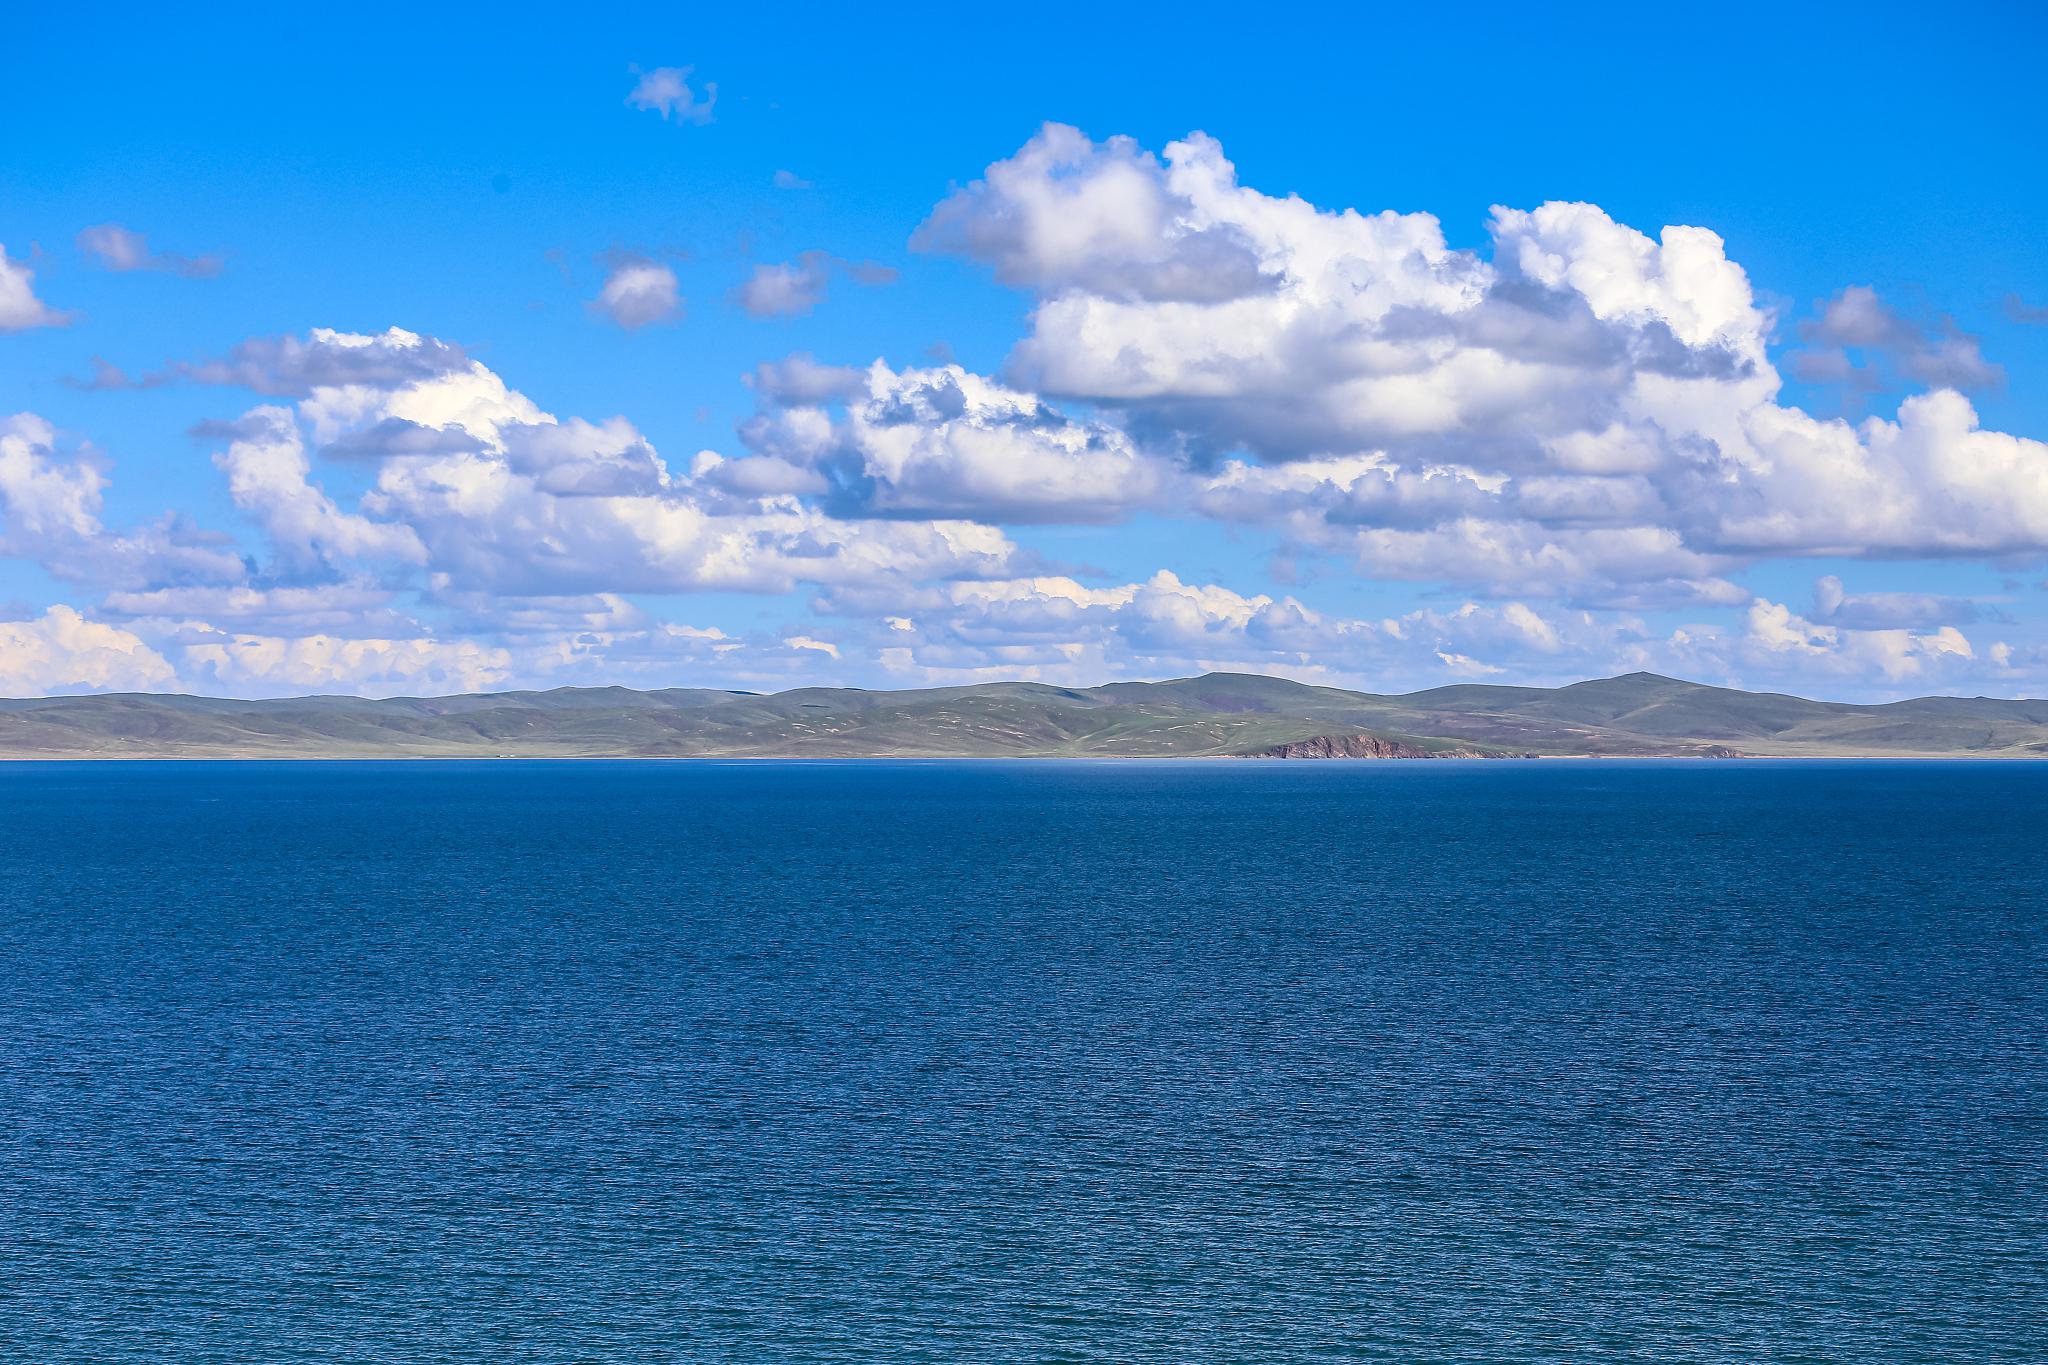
x=1067, y=213
x=1556, y=535
x=44, y=499
x=353, y=607
x=238, y=664
x=1612, y=566
x=1896, y=654
x=347, y=636
x=1932, y=482
x=666, y=91
x=526, y=504
x=1375, y=334
x=1579, y=426
x=268, y=478
x=1465, y=667
x=292, y=367
x=61, y=651
x=576, y=458
x=600, y=641
x=472, y=398
x=1056, y=629
x=1774, y=627
x=50, y=511
x=638, y=292
x=487, y=526
x=945, y=442
x=1587, y=410
x=254, y=642
x=20, y=309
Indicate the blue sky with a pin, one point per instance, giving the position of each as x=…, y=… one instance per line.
x=1122, y=430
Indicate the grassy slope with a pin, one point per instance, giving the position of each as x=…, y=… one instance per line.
x=1217, y=714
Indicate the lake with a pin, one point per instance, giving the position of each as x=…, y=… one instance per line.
x=1023, y=1061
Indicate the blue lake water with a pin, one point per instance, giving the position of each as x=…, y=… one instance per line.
x=521, y=1062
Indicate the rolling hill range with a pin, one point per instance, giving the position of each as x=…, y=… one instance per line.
x=1216, y=715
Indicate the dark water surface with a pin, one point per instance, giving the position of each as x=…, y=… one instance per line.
x=646, y=1062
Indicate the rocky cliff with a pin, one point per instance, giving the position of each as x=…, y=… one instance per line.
x=1357, y=746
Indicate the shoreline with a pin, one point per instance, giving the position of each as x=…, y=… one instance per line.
x=1257, y=759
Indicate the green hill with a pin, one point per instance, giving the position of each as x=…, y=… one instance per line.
x=1218, y=714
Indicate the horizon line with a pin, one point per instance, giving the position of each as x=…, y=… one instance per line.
x=1000, y=682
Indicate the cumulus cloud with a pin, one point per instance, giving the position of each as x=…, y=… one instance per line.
x=20, y=309
x=294, y=366
x=395, y=437
x=354, y=607
x=1585, y=409
x=638, y=292
x=61, y=652
x=517, y=531
x=1056, y=629
x=1931, y=482
x=50, y=511
x=238, y=664
x=476, y=489
x=577, y=458
x=1366, y=330
x=45, y=499
x=119, y=249
x=1575, y=427
x=268, y=478
x=349, y=636
x=794, y=288
x=799, y=378
x=1561, y=535
x=1059, y=630
x=790, y=180
x=666, y=91
x=1896, y=654
x=1102, y=218
x=944, y=442
x=254, y=642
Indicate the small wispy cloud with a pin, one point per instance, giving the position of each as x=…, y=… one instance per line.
x=638, y=292
x=666, y=91
x=1940, y=354
x=2018, y=310
x=121, y=249
x=793, y=288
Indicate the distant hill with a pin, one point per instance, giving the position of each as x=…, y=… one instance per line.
x=1216, y=715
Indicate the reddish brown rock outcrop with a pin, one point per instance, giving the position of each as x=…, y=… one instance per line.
x=1356, y=746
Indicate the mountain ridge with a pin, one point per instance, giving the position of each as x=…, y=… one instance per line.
x=1217, y=714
